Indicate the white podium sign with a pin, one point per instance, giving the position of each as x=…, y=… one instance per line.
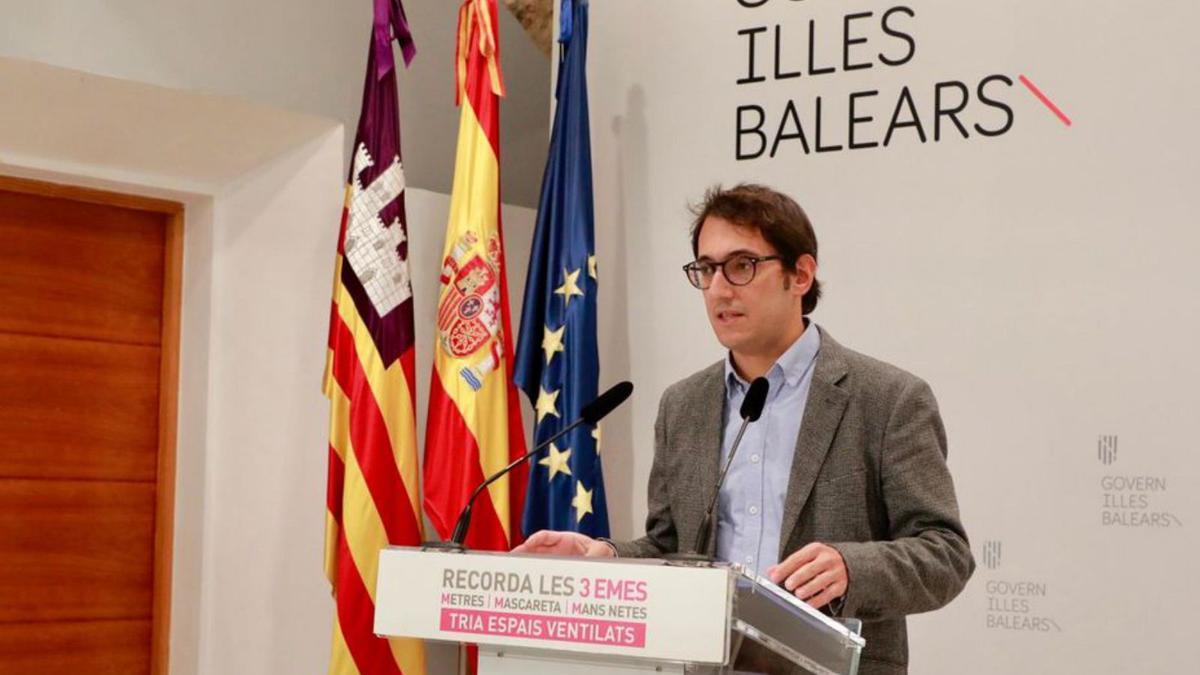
x=641, y=609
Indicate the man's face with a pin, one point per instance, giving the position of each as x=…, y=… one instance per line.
x=763, y=316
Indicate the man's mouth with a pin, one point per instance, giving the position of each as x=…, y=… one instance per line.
x=729, y=315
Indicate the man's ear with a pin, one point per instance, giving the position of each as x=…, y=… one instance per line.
x=803, y=274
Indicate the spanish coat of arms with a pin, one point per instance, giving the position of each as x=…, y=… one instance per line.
x=469, y=312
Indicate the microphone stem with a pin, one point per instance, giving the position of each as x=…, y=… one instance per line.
x=705, y=532
x=464, y=519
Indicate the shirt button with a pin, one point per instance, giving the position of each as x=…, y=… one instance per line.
x=754, y=510
x=754, y=458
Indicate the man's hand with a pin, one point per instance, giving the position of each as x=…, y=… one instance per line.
x=565, y=543
x=816, y=574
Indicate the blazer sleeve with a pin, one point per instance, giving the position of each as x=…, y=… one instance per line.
x=926, y=560
x=660, y=537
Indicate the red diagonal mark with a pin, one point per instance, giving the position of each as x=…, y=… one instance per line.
x=1045, y=100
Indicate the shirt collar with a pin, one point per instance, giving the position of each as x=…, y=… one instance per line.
x=791, y=365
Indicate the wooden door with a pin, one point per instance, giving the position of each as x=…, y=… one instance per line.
x=89, y=298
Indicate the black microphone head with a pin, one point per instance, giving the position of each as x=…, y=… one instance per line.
x=756, y=398
x=606, y=402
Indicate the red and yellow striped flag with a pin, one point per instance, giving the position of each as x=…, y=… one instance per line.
x=373, y=490
x=474, y=424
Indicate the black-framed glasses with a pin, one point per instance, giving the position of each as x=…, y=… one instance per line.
x=738, y=269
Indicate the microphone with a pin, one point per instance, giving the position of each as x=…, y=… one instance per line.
x=603, y=404
x=751, y=410
x=755, y=401
x=591, y=413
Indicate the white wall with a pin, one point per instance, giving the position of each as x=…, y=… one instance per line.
x=1042, y=281
x=264, y=610
x=300, y=55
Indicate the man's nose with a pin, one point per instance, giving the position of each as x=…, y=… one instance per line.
x=720, y=286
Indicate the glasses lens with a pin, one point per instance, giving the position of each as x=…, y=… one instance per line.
x=739, y=270
x=699, y=274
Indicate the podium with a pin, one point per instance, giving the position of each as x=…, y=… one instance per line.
x=543, y=615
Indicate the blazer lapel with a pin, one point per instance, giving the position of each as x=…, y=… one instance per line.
x=822, y=414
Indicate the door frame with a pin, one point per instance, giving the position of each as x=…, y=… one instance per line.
x=168, y=387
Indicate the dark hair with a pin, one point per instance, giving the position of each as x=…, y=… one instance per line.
x=775, y=215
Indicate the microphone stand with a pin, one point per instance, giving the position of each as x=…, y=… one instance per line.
x=752, y=407
x=455, y=542
x=699, y=555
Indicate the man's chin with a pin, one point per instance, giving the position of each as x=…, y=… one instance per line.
x=728, y=339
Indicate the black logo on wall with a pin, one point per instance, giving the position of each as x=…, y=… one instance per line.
x=991, y=554
x=797, y=51
x=1106, y=449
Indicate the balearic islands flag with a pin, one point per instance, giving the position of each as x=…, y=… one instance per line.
x=372, y=492
x=474, y=420
x=558, y=359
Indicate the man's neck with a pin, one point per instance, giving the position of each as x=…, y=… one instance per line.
x=752, y=366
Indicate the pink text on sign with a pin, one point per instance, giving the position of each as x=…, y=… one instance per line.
x=541, y=627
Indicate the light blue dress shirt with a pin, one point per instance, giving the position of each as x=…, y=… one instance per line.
x=750, y=510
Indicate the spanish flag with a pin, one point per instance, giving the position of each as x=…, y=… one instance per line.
x=474, y=425
x=372, y=491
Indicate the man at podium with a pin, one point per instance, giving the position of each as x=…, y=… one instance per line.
x=839, y=491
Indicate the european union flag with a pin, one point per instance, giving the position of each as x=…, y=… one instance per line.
x=558, y=360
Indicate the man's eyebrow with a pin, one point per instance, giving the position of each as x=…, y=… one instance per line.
x=740, y=251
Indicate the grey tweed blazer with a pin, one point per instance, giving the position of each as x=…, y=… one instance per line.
x=869, y=478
